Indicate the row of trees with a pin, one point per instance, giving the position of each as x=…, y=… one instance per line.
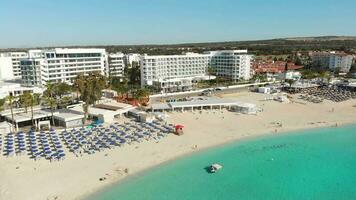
x=90, y=89
x=26, y=100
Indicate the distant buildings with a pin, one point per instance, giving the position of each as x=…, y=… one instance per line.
x=7, y=88
x=131, y=58
x=61, y=65
x=332, y=60
x=116, y=65
x=180, y=72
x=168, y=73
x=10, y=65
x=270, y=66
x=276, y=70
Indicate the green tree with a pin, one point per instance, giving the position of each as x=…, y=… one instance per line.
x=90, y=88
x=25, y=100
x=210, y=72
x=132, y=74
x=52, y=104
x=79, y=84
x=353, y=68
x=325, y=75
x=35, y=100
x=141, y=93
x=2, y=103
x=61, y=89
x=337, y=70
x=122, y=89
x=290, y=82
x=11, y=99
x=50, y=90
x=65, y=101
x=309, y=74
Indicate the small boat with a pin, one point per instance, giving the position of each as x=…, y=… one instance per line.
x=214, y=168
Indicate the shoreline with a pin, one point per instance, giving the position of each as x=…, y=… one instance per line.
x=202, y=150
x=78, y=177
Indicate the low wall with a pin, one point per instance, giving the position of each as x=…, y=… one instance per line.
x=201, y=90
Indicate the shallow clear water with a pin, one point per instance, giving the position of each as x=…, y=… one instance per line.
x=313, y=164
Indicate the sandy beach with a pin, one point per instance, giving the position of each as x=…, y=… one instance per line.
x=76, y=178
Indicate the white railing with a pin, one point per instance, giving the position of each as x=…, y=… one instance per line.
x=201, y=90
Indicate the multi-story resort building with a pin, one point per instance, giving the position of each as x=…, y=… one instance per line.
x=61, y=65
x=332, y=60
x=231, y=64
x=10, y=65
x=180, y=72
x=116, y=65
x=131, y=58
x=173, y=72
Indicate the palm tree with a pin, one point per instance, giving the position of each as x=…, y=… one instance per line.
x=61, y=89
x=65, y=101
x=79, y=84
x=2, y=103
x=25, y=100
x=122, y=89
x=210, y=71
x=325, y=75
x=52, y=104
x=90, y=88
x=35, y=100
x=50, y=90
x=11, y=100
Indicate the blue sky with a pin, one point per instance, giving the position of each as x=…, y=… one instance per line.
x=29, y=23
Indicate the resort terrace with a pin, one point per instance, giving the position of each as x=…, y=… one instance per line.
x=211, y=103
x=38, y=116
x=106, y=110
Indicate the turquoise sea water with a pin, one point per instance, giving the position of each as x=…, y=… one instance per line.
x=313, y=164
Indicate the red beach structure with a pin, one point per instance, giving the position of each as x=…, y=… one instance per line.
x=179, y=129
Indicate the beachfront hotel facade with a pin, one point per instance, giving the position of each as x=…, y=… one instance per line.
x=10, y=65
x=180, y=72
x=61, y=65
x=173, y=72
x=231, y=64
x=116, y=65
x=332, y=60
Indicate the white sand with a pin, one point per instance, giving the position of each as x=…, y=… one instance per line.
x=75, y=178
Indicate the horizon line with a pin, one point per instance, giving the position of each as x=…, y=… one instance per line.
x=178, y=43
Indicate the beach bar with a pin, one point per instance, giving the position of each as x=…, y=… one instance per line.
x=26, y=118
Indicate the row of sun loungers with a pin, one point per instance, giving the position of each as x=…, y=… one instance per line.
x=85, y=141
x=36, y=145
x=310, y=98
x=334, y=94
x=49, y=145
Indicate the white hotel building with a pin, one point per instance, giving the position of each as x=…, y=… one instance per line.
x=180, y=72
x=116, y=65
x=332, y=60
x=10, y=65
x=61, y=65
x=231, y=64
x=173, y=72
